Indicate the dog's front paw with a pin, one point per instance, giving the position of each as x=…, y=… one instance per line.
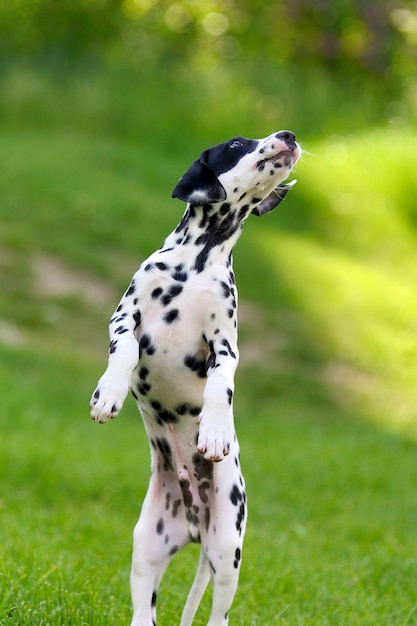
x=214, y=439
x=107, y=399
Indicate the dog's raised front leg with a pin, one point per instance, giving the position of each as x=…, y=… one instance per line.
x=216, y=428
x=112, y=388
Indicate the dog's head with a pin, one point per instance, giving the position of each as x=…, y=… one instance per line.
x=249, y=169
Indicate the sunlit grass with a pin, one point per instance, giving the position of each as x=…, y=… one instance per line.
x=362, y=322
x=363, y=187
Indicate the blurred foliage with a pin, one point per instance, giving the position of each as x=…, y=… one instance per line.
x=356, y=60
x=345, y=35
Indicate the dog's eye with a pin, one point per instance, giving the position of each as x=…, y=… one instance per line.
x=236, y=143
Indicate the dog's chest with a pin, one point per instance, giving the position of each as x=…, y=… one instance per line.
x=180, y=311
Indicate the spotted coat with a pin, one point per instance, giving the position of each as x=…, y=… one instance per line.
x=173, y=343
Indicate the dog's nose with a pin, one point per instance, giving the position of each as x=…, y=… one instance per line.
x=288, y=137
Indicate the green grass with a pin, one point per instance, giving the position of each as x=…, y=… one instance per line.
x=325, y=402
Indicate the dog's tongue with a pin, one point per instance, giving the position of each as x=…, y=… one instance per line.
x=273, y=199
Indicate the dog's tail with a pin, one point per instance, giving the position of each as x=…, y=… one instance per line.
x=197, y=590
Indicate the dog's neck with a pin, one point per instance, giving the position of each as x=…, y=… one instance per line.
x=211, y=230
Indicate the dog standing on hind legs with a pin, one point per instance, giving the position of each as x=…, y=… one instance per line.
x=173, y=343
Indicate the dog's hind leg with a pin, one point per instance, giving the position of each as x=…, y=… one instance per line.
x=197, y=590
x=159, y=533
x=223, y=539
x=224, y=560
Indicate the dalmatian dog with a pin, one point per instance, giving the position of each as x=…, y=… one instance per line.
x=173, y=344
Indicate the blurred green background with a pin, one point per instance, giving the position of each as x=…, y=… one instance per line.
x=103, y=105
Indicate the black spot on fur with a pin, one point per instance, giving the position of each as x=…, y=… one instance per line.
x=225, y=289
x=175, y=507
x=166, y=453
x=145, y=345
x=240, y=517
x=235, y=495
x=201, y=239
x=211, y=361
x=180, y=276
x=143, y=373
x=171, y=316
x=156, y=293
x=195, y=365
x=143, y=388
x=224, y=208
x=202, y=491
x=237, y=558
x=119, y=318
x=166, y=416
x=192, y=518
x=131, y=289
x=242, y=211
x=183, y=409
x=186, y=493
x=137, y=316
x=201, y=259
x=172, y=292
x=145, y=342
x=228, y=347
x=203, y=469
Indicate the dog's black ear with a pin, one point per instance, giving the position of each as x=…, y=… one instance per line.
x=273, y=199
x=199, y=185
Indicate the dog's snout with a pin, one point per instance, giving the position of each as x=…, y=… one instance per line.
x=288, y=137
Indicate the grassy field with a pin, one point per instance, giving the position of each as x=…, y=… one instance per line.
x=326, y=390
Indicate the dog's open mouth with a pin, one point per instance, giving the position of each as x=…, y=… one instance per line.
x=281, y=159
x=274, y=198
